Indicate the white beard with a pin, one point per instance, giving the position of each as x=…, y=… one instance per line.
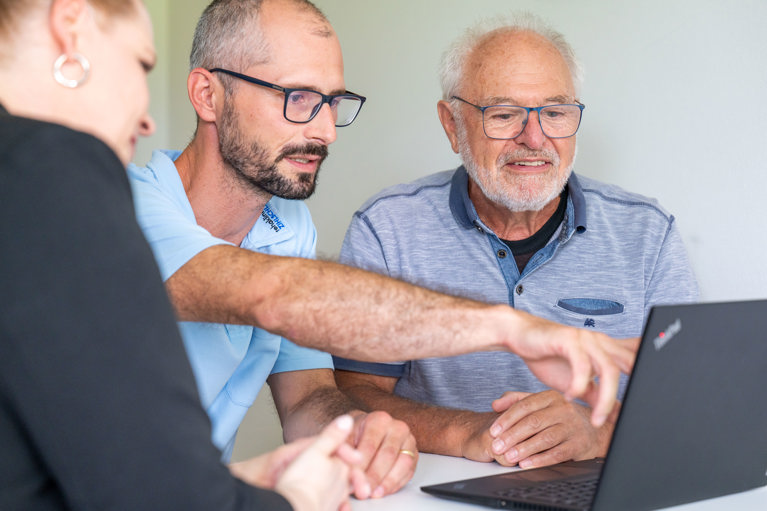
x=516, y=192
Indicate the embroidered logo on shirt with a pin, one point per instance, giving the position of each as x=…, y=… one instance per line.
x=272, y=220
x=590, y=323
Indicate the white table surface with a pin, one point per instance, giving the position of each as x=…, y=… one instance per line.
x=434, y=469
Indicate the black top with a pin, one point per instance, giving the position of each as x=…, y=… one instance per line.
x=98, y=405
x=524, y=250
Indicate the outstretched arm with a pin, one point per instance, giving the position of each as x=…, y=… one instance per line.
x=361, y=315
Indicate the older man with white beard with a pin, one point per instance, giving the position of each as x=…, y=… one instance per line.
x=512, y=225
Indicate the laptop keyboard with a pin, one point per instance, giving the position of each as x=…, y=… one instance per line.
x=570, y=493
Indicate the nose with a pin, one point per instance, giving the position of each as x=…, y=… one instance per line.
x=532, y=135
x=323, y=127
x=146, y=125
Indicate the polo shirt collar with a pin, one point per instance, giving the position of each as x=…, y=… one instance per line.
x=271, y=228
x=460, y=204
x=578, y=200
x=466, y=215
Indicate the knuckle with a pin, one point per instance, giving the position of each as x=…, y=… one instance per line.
x=563, y=453
x=523, y=409
x=550, y=438
x=399, y=428
x=533, y=422
x=379, y=416
x=375, y=474
x=389, y=450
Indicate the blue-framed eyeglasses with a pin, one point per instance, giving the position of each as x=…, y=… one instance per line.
x=505, y=122
x=302, y=105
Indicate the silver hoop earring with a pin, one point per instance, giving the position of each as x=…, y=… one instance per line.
x=69, y=82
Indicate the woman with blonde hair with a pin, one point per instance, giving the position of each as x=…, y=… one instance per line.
x=98, y=406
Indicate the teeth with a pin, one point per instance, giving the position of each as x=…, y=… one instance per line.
x=531, y=163
x=301, y=160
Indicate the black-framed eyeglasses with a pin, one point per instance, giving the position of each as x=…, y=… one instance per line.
x=302, y=105
x=505, y=122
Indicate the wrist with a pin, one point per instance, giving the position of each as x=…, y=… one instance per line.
x=507, y=323
x=297, y=499
x=473, y=429
x=605, y=432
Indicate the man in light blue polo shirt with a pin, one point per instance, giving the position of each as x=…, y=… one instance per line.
x=513, y=225
x=232, y=362
x=255, y=152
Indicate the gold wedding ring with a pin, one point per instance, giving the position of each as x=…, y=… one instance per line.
x=407, y=453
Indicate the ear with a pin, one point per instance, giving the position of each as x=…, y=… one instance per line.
x=448, y=123
x=67, y=18
x=206, y=94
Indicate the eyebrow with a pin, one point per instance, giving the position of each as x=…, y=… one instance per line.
x=506, y=100
x=334, y=92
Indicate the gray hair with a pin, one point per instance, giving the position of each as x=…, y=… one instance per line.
x=455, y=57
x=228, y=34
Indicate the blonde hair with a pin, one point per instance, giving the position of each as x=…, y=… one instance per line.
x=11, y=11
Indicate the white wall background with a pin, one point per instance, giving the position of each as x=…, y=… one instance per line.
x=676, y=95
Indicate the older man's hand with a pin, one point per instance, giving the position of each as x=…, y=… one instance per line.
x=541, y=429
x=572, y=359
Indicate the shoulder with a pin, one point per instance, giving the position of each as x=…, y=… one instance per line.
x=19, y=132
x=408, y=195
x=604, y=195
x=32, y=145
x=158, y=190
x=48, y=161
x=160, y=165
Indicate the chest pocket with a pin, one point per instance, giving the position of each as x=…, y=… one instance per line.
x=591, y=306
x=606, y=316
x=619, y=317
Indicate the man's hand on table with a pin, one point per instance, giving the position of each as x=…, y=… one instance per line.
x=544, y=428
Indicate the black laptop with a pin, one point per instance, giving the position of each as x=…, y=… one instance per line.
x=693, y=423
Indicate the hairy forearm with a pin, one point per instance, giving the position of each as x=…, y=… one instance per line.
x=332, y=307
x=315, y=411
x=437, y=430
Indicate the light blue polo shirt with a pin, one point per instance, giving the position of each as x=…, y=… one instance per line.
x=230, y=362
x=615, y=255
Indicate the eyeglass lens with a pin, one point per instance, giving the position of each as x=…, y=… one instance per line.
x=557, y=121
x=302, y=105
